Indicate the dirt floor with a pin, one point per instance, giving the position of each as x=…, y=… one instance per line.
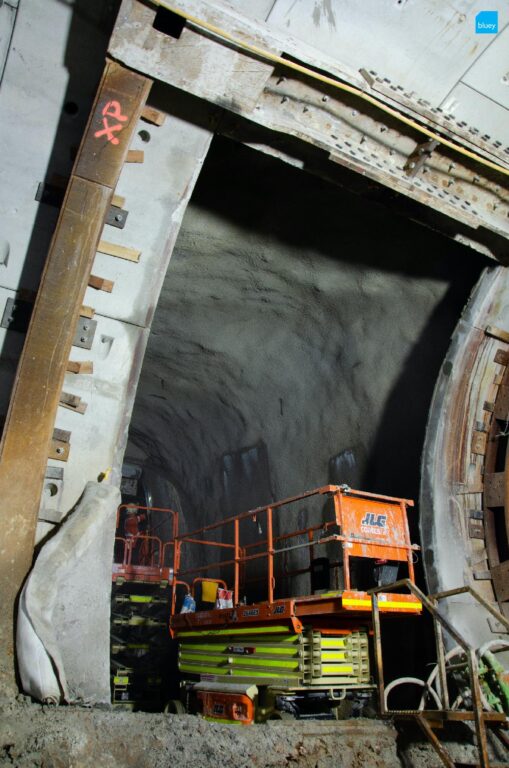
x=35, y=736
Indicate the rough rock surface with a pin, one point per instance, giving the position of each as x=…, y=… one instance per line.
x=42, y=737
x=297, y=340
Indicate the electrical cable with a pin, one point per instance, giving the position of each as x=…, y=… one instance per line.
x=268, y=56
x=434, y=672
x=411, y=681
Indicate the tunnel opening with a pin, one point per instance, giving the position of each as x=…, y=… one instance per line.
x=297, y=341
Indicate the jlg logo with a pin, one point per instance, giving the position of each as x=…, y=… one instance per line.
x=377, y=521
x=374, y=525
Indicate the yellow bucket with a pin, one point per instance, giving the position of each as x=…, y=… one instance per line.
x=209, y=591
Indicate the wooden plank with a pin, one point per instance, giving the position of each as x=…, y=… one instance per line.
x=87, y=312
x=152, y=115
x=494, y=489
x=502, y=357
x=72, y=402
x=61, y=434
x=100, y=283
x=27, y=436
x=118, y=201
x=500, y=575
x=135, y=156
x=80, y=366
x=479, y=440
x=68, y=399
x=497, y=333
x=120, y=251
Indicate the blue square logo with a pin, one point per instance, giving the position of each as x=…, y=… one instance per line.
x=486, y=23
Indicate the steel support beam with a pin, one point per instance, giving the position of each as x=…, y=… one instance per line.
x=36, y=393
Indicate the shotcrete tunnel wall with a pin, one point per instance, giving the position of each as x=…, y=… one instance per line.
x=297, y=340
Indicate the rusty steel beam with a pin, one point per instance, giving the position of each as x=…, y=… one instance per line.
x=30, y=420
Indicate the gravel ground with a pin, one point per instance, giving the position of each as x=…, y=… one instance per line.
x=33, y=736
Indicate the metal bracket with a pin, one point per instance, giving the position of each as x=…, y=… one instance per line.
x=16, y=316
x=53, y=194
x=60, y=445
x=51, y=498
x=419, y=156
x=85, y=333
x=116, y=217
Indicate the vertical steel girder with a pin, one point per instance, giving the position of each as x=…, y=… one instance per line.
x=30, y=420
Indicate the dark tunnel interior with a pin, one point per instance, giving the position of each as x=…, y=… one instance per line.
x=296, y=343
x=297, y=340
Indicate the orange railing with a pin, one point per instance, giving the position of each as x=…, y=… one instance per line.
x=147, y=555
x=351, y=527
x=152, y=552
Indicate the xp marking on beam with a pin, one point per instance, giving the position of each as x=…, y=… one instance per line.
x=112, y=109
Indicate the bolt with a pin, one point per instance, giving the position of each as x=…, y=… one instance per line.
x=83, y=339
x=325, y=98
x=119, y=217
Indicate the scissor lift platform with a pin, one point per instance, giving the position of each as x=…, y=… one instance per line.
x=311, y=643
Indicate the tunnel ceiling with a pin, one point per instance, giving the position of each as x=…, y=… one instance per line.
x=297, y=339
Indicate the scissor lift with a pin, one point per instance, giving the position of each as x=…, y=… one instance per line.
x=287, y=653
x=274, y=652
x=142, y=577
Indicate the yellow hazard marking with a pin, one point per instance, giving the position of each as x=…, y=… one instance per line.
x=330, y=656
x=337, y=669
x=234, y=631
x=383, y=604
x=233, y=672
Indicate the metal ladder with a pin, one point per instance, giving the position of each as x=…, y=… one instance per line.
x=427, y=720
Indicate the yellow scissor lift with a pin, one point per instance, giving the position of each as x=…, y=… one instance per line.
x=300, y=654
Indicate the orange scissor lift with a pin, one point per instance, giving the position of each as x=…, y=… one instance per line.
x=277, y=651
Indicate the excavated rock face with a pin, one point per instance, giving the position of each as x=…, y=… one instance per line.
x=297, y=340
